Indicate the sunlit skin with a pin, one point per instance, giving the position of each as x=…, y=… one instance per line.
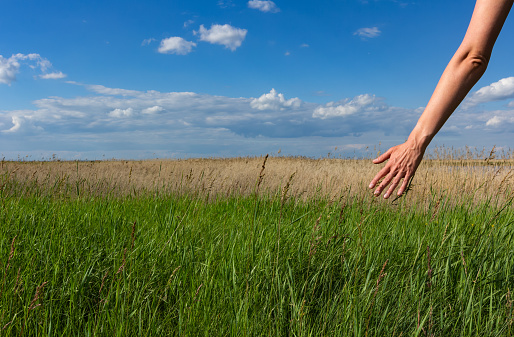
x=462, y=72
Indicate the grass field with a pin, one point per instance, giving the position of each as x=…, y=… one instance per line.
x=227, y=247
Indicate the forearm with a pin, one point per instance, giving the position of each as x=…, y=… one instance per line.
x=464, y=70
x=461, y=74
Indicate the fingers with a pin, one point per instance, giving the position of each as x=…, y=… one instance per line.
x=382, y=173
x=382, y=158
x=405, y=184
x=402, y=162
x=384, y=183
x=394, y=184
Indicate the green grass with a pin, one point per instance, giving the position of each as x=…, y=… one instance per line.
x=248, y=266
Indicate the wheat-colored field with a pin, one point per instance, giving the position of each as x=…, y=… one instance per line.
x=458, y=180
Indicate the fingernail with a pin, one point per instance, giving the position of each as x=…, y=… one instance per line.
x=370, y=185
x=386, y=196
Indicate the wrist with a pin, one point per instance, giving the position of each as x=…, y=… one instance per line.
x=420, y=138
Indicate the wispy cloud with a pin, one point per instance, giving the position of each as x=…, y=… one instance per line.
x=321, y=93
x=225, y=3
x=146, y=42
x=226, y=35
x=368, y=32
x=264, y=6
x=53, y=76
x=176, y=45
x=188, y=23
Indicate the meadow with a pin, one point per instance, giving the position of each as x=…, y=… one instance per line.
x=282, y=246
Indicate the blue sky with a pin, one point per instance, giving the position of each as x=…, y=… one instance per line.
x=167, y=79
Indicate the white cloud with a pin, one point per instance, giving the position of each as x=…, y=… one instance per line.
x=17, y=123
x=21, y=124
x=100, y=89
x=188, y=23
x=146, y=42
x=176, y=45
x=321, y=93
x=42, y=63
x=152, y=110
x=274, y=101
x=119, y=113
x=304, y=45
x=497, y=91
x=116, y=120
x=226, y=35
x=370, y=32
x=116, y=109
x=263, y=6
x=125, y=123
x=10, y=67
x=53, y=76
x=225, y=3
x=498, y=119
x=344, y=108
x=495, y=121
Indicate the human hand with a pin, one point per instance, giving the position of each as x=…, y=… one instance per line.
x=404, y=159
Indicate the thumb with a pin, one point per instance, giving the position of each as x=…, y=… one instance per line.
x=383, y=157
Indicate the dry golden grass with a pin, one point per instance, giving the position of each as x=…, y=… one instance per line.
x=458, y=180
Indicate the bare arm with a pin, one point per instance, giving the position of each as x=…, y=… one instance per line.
x=463, y=71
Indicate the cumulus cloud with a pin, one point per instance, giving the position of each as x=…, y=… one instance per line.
x=17, y=123
x=263, y=6
x=176, y=45
x=152, y=110
x=497, y=91
x=346, y=107
x=274, y=101
x=368, y=32
x=53, y=76
x=21, y=125
x=10, y=67
x=499, y=120
x=495, y=121
x=119, y=113
x=115, y=109
x=110, y=118
x=128, y=123
x=226, y=35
